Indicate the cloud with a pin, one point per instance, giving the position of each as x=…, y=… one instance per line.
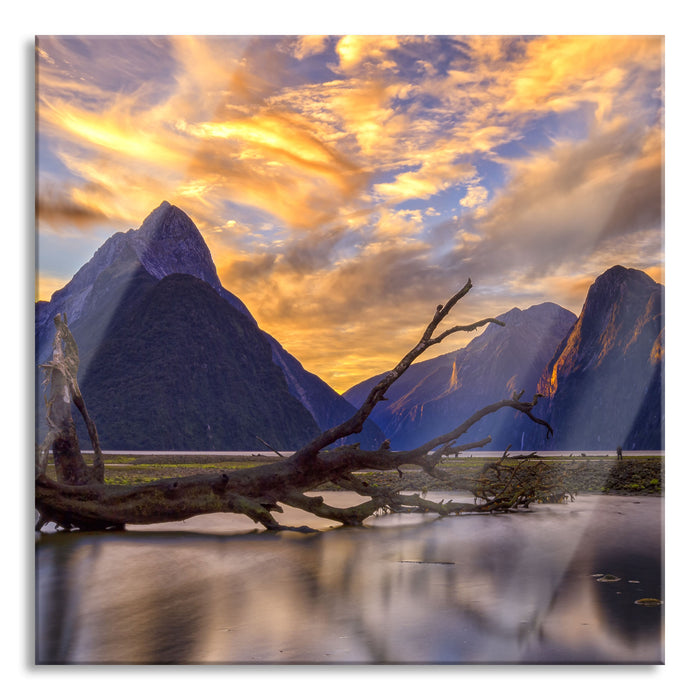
x=475, y=196
x=557, y=72
x=95, y=69
x=362, y=110
x=271, y=138
x=567, y=201
x=305, y=46
x=362, y=52
x=366, y=177
x=271, y=159
x=61, y=212
x=254, y=266
x=434, y=175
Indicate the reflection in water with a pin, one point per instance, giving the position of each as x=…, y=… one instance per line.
x=515, y=588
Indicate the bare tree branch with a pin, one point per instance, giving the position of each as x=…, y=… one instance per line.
x=269, y=447
x=447, y=438
x=356, y=422
x=83, y=501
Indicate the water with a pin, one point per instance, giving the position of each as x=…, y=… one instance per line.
x=515, y=588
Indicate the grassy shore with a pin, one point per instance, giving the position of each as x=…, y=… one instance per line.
x=638, y=475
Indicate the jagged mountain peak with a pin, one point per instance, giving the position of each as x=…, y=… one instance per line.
x=161, y=210
x=435, y=395
x=602, y=387
x=168, y=242
x=113, y=288
x=532, y=322
x=166, y=221
x=615, y=303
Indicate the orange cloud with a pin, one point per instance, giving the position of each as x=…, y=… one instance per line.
x=309, y=45
x=357, y=51
x=114, y=130
x=433, y=176
x=239, y=137
x=60, y=210
x=273, y=137
x=558, y=72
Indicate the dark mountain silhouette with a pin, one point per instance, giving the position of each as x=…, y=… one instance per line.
x=155, y=371
x=436, y=395
x=181, y=369
x=604, y=385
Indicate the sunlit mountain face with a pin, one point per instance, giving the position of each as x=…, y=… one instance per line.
x=600, y=388
x=437, y=395
x=346, y=185
x=604, y=385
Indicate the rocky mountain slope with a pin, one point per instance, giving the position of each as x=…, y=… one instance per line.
x=604, y=385
x=181, y=369
x=601, y=376
x=436, y=395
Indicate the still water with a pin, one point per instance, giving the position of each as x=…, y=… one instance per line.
x=514, y=588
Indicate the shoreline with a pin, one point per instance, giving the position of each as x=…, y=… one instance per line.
x=633, y=475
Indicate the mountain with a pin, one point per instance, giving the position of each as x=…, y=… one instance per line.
x=167, y=242
x=434, y=396
x=181, y=369
x=603, y=386
x=158, y=372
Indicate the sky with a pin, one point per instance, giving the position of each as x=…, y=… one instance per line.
x=346, y=185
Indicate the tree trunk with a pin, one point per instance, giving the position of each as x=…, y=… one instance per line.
x=61, y=381
x=80, y=499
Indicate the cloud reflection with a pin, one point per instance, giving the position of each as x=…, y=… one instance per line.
x=406, y=589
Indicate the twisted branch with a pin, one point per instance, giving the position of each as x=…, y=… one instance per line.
x=355, y=423
x=257, y=491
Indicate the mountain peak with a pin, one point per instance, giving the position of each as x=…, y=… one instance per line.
x=618, y=276
x=618, y=287
x=608, y=368
x=155, y=219
x=434, y=395
x=168, y=241
x=533, y=320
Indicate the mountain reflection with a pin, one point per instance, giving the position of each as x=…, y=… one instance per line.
x=406, y=589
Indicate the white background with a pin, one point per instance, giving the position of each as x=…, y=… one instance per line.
x=22, y=22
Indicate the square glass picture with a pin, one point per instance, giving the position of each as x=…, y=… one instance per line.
x=353, y=343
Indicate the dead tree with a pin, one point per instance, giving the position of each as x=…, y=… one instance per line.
x=85, y=502
x=61, y=382
x=519, y=480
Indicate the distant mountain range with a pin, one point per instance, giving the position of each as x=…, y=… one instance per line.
x=171, y=360
x=437, y=395
x=601, y=375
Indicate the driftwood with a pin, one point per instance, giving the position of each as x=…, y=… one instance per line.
x=78, y=498
x=61, y=374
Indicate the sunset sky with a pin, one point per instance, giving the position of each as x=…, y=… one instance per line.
x=346, y=185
